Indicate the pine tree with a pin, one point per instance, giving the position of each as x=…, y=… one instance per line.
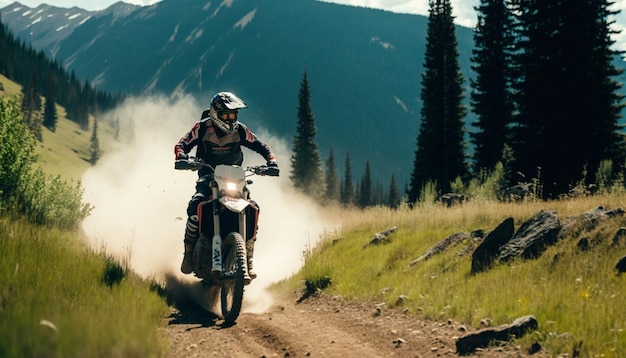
x=379, y=194
x=394, y=199
x=95, y=150
x=31, y=107
x=347, y=186
x=306, y=163
x=491, y=96
x=440, y=155
x=50, y=113
x=366, y=189
x=332, y=183
x=567, y=95
x=18, y=62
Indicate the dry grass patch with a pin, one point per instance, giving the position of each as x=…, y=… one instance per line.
x=576, y=295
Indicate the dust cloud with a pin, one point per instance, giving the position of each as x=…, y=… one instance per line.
x=140, y=201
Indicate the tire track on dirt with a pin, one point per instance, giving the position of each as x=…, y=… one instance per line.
x=320, y=326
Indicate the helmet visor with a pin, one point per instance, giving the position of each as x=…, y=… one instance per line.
x=228, y=116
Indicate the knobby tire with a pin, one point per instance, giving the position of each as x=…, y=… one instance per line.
x=234, y=261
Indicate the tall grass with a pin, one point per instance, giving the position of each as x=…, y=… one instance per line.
x=576, y=295
x=55, y=300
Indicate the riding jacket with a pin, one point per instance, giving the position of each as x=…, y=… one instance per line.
x=215, y=147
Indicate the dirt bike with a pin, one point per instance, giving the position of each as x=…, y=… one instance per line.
x=227, y=220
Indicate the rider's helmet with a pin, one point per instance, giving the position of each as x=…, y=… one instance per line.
x=225, y=110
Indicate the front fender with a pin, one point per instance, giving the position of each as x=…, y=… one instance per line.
x=236, y=205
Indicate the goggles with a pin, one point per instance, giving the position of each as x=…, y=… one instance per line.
x=227, y=116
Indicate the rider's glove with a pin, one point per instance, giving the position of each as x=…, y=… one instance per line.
x=272, y=164
x=182, y=156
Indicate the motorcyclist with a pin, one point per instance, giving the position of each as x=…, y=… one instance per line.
x=218, y=137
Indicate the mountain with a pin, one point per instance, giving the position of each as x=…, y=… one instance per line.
x=364, y=66
x=45, y=26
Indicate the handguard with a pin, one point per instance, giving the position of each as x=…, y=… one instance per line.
x=185, y=164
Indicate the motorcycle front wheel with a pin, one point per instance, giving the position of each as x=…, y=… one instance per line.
x=233, y=276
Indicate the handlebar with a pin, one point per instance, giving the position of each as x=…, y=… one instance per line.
x=188, y=164
x=264, y=170
x=195, y=164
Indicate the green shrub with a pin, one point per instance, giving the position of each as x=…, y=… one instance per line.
x=17, y=147
x=114, y=272
x=42, y=199
x=52, y=201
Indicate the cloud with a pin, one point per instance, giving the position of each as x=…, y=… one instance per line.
x=463, y=10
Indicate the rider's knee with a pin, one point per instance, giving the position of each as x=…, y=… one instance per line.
x=192, y=208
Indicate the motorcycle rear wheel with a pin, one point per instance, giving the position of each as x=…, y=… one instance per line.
x=233, y=276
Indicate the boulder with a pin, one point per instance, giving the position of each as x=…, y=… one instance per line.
x=469, y=342
x=488, y=250
x=517, y=192
x=533, y=237
x=587, y=221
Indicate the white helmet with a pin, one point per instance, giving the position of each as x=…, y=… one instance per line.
x=225, y=111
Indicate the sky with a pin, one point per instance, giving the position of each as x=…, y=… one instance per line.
x=463, y=9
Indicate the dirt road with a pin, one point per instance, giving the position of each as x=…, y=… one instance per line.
x=319, y=326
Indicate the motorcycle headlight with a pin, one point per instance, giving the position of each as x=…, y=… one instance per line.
x=230, y=186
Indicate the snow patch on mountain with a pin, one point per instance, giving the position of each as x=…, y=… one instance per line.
x=245, y=20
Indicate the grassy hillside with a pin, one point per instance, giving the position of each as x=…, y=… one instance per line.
x=58, y=297
x=575, y=293
x=65, y=152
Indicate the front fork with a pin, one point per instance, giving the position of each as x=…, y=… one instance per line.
x=216, y=250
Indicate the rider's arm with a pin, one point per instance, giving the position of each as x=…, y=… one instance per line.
x=188, y=141
x=251, y=141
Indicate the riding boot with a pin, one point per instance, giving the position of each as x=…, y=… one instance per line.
x=250, y=254
x=191, y=236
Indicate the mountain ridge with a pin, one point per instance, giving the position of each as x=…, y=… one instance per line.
x=363, y=65
x=45, y=34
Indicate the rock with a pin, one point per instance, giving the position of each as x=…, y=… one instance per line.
x=381, y=237
x=444, y=244
x=476, y=238
x=488, y=250
x=583, y=244
x=451, y=199
x=619, y=236
x=398, y=342
x=469, y=342
x=534, y=348
x=533, y=237
x=517, y=192
x=486, y=322
x=621, y=265
x=587, y=221
x=401, y=300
